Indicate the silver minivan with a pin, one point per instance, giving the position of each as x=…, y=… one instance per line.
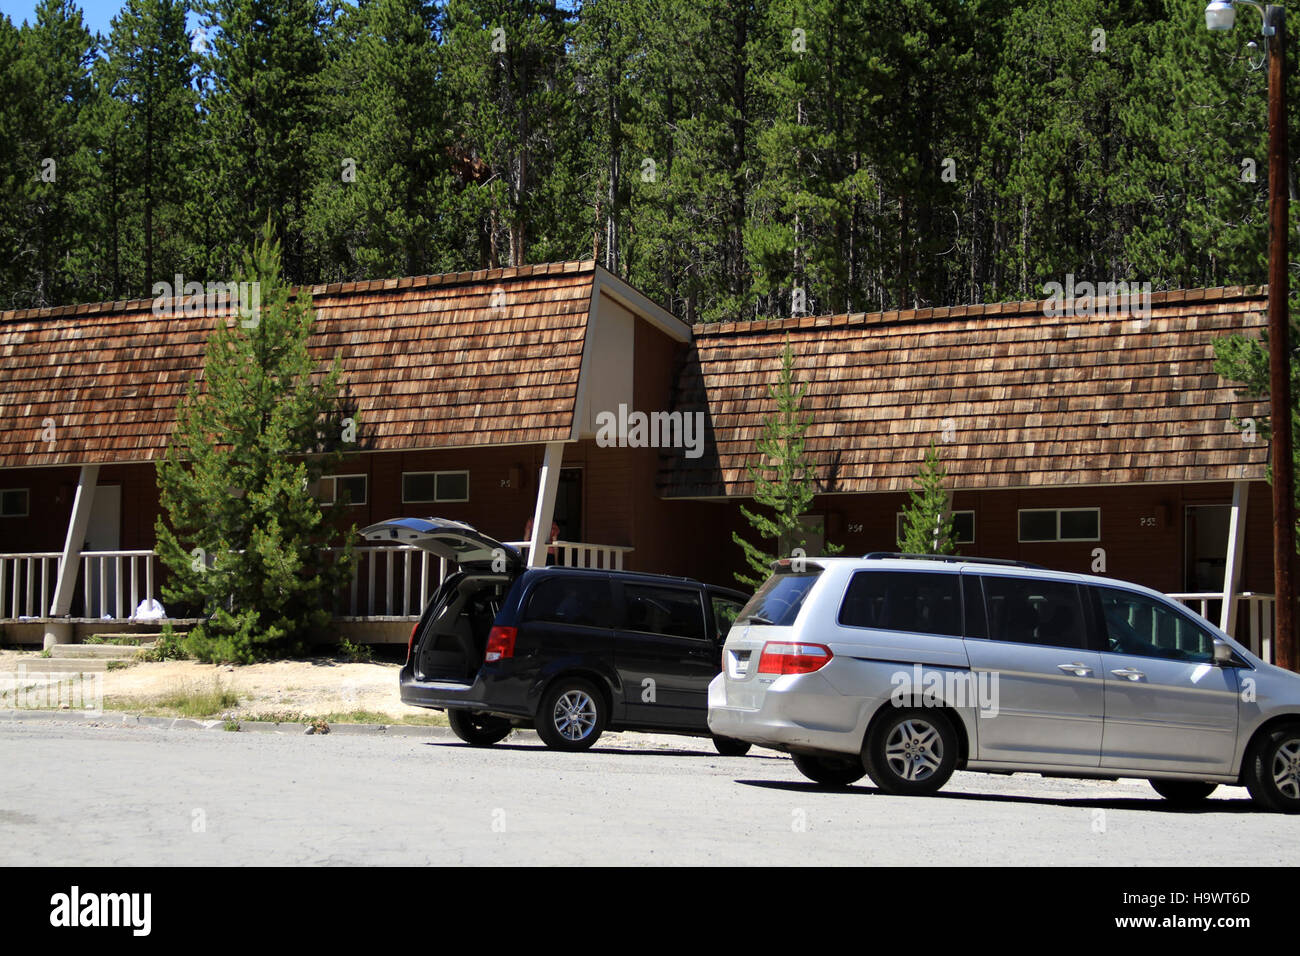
x=906, y=668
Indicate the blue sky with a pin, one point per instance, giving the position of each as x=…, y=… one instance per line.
x=96, y=13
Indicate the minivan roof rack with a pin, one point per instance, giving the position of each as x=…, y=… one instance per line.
x=952, y=559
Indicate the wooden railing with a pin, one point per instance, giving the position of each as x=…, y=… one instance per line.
x=393, y=581
x=27, y=584
x=1254, y=625
x=580, y=554
x=113, y=583
x=397, y=582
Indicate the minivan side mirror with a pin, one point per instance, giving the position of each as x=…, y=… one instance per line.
x=1224, y=655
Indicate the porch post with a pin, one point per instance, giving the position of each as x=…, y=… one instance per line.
x=60, y=632
x=544, y=511
x=1232, y=568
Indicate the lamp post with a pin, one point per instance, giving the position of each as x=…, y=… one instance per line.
x=1220, y=15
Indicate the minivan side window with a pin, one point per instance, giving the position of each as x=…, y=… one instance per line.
x=670, y=611
x=725, y=611
x=915, y=601
x=1033, y=611
x=1137, y=624
x=973, y=599
x=571, y=600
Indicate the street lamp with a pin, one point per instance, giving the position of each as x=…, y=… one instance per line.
x=1220, y=15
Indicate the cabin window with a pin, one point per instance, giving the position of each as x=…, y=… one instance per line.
x=13, y=503
x=435, y=486
x=1060, y=524
x=331, y=488
x=963, y=527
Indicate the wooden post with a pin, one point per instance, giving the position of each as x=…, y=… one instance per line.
x=61, y=606
x=1279, y=329
x=544, y=511
x=1236, y=545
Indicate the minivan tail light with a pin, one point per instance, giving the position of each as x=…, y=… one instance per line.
x=410, y=645
x=500, y=643
x=783, y=658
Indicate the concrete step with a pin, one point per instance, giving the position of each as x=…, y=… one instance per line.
x=134, y=638
x=53, y=665
x=104, y=652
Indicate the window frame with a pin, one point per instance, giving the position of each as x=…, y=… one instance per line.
x=435, y=500
x=334, y=489
x=1092, y=636
x=955, y=577
x=528, y=612
x=621, y=599
x=1020, y=539
x=1102, y=631
x=27, y=503
x=974, y=530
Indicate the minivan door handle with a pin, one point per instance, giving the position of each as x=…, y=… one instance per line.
x=1129, y=673
x=1078, y=669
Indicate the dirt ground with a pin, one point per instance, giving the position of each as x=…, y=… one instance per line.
x=314, y=687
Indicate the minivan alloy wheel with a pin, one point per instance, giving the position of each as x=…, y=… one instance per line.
x=914, y=750
x=911, y=752
x=572, y=714
x=1286, y=769
x=575, y=714
x=1272, y=770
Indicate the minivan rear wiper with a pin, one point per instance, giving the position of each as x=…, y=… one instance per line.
x=756, y=619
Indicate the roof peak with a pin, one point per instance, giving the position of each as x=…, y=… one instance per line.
x=1028, y=307
x=502, y=274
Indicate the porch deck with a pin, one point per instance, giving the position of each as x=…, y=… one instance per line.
x=390, y=586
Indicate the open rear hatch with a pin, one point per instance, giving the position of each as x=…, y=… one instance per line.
x=453, y=540
x=450, y=640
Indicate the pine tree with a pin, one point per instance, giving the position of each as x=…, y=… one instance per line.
x=147, y=136
x=1245, y=361
x=927, y=520
x=509, y=102
x=49, y=188
x=261, y=111
x=389, y=206
x=784, y=480
x=239, y=531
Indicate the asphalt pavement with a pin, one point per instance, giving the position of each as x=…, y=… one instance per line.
x=73, y=794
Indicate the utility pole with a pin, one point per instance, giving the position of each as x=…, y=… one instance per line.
x=1279, y=350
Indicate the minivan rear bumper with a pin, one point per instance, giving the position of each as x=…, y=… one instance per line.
x=492, y=692
x=798, y=712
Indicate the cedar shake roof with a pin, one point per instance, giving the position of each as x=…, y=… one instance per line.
x=1032, y=400
x=481, y=358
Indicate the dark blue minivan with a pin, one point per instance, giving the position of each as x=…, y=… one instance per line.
x=571, y=652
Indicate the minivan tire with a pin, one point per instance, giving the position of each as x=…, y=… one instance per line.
x=572, y=715
x=477, y=728
x=829, y=771
x=731, y=747
x=1184, y=793
x=897, y=739
x=1272, y=770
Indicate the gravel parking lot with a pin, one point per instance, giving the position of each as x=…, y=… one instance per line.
x=95, y=795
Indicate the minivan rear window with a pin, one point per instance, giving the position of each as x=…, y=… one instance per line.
x=779, y=599
x=919, y=602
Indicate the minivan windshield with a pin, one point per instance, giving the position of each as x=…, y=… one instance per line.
x=778, y=601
